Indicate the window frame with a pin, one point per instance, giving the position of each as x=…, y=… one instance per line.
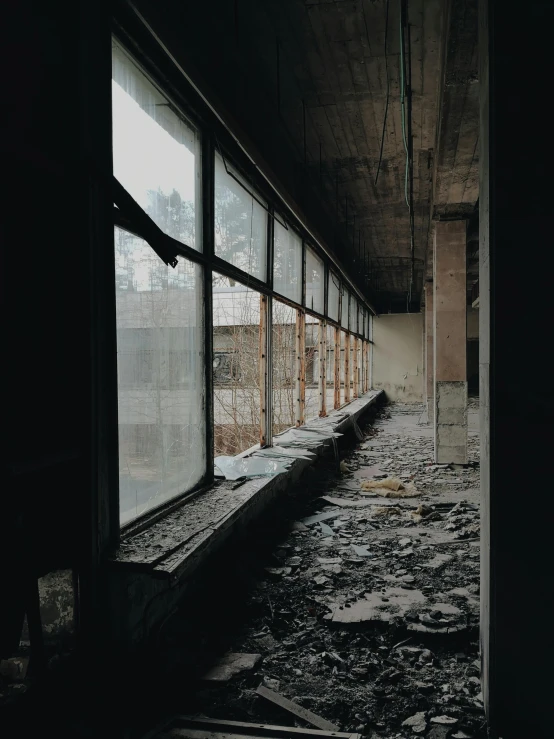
x=188, y=105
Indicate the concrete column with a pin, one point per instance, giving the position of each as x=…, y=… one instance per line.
x=429, y=354
x=450, y=370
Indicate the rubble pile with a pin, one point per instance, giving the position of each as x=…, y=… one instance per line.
x=367, y=612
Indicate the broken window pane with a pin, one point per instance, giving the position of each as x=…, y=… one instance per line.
x=333, y=296
x=240, y=222
x=161, y=389
x=314, y=281
x=287, y=263
x=236, y=342
x=156, y=154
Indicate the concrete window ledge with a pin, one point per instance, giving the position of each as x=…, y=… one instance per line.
x=149, y=572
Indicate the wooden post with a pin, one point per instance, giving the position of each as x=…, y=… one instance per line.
x=322, y=368
x=355, y=386
x=300, y=366
x=263, y=370
x=347, y=368
x=337, y=368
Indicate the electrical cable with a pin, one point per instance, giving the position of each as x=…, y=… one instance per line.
x=402, y=111
x=388, y=94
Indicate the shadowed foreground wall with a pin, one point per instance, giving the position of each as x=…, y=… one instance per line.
x=398, y=356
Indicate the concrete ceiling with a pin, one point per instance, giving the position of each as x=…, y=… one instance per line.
x=308, y=82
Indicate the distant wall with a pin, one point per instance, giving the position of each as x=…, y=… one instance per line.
x=398, y=356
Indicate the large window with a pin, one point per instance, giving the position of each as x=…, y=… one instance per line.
x=314, y=281
x=288, y=371
x=237, y=390
x=160, y=357
x=240, y=222
x=287, y=263
x=156, y=155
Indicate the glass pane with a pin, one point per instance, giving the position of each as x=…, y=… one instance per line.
x=360, y=320
x=156, y=155
x=287, y=263
x=283, y=367
x=311, y=408
x=344, y=309
x=314, y=281
x=240, y=223
x=236, y=366
x=353, y=312
x=333, y=296
x=160, y=368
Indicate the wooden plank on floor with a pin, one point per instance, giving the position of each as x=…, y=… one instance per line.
x=297, y=710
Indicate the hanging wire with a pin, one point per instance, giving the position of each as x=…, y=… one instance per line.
x=388, y=94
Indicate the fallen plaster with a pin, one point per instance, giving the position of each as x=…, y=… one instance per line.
x=383, y=645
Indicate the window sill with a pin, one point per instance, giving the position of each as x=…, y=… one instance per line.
x=162, y=558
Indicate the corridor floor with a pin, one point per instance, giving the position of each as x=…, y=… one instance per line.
x=366, y=612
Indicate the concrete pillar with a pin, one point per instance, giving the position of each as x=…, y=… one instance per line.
x=429, y=354
x=450, y=367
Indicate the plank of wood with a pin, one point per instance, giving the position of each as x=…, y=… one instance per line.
x=296, y=710
x=207, y=728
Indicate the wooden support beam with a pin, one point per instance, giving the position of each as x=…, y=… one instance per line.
x=355, y=383
x=347, y=368
x=337, y=368
x=265, y=328
x=300, y=366
x=322, y=368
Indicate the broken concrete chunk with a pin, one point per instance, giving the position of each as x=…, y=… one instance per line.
x=329, y=560
x=416, y=723
x=325, y=529
x=361, y=551
x=231, y=664
x=325, y=516
x=378, y=606
x=444, y=720
x=438, y=561
x=278, y=571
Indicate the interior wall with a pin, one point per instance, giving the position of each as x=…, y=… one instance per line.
x=398, y=356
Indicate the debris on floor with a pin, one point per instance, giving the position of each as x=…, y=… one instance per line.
x=367, y=613
x=231, y=664
x=183, y=727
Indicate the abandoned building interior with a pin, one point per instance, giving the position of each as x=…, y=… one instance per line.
x=277, y=381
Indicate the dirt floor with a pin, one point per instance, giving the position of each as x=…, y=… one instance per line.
x=368, y=614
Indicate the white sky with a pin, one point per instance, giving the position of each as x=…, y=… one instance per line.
x=145, y=155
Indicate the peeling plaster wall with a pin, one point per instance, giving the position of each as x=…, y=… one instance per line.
x=57, y=605
x=398, y=356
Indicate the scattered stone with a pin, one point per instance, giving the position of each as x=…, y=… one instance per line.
x=444, y=720
x=416, y=723
x=278, y=571
x=231, y=664
x=361, y=551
